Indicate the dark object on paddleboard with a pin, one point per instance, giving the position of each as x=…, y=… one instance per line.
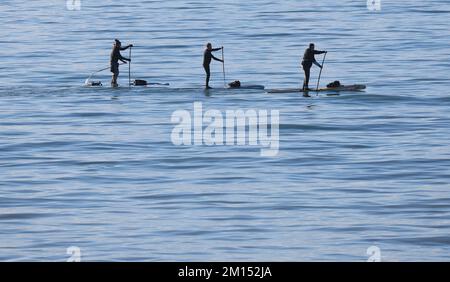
x=354, y=87
x=238, y=85
x=334, y=84
x=94, y=83
x=140, y=82
x=235, y=84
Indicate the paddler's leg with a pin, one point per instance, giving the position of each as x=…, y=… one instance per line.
x=307, y=70
x=115, y=71
x=208, y=76
x=114, y=79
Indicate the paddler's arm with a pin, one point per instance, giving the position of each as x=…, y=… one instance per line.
x=318, y=53
x=123, y=59
x=217, y=49
x=217, y=59
x=125, y=48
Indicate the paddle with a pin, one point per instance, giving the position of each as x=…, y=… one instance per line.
x=92, y=74
x=129, y=70
x=223, y=66
x=320, y=74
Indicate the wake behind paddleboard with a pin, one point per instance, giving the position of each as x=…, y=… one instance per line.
x=355, y=87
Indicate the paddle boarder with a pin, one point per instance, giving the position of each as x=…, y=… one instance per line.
x=115, y=57
x=207, y=57
x=308, y=61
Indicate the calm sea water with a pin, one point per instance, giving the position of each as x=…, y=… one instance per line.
x=96, y=168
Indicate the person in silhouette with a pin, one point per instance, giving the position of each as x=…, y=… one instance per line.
x=308, y=61
x=207, y=57
x=114, y=61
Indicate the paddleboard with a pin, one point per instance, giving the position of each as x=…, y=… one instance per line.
x=256, y=87
x=355, y=87
x=99, y=84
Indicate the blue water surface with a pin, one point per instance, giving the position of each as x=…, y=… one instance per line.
x=96, y=167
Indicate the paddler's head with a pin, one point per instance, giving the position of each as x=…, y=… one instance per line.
x=117, y=43
x=209, y=46
x=311, y=46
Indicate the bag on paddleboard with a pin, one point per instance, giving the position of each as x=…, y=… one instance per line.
x=334, y=84
x=94, y=83
x=140, y=82
x=235, y=84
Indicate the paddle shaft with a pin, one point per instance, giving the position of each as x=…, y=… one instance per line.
x=223, y=67
x=320, y=74
x=129, y=70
